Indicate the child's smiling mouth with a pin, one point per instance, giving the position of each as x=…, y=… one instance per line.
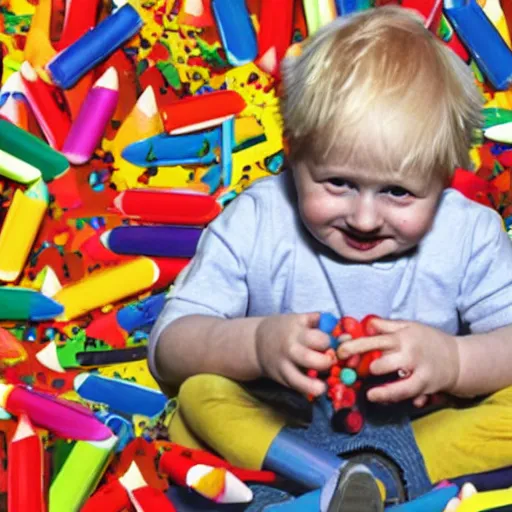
x=359, y=243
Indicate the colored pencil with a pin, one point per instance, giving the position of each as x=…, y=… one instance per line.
x=236, y=31
x=15, y=169
x=69, y=65
x=163, y=241
x=13, y=103
x=25, y=146
x=106, y=287
x=111, y=497
x=17, y=303
x=167, y=206
x=25, y=488
x=52, y=116
x=96, y=112
x=63, y=418
x=202, y=111
x=122, y=396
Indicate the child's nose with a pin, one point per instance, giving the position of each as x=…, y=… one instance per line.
x=365, y=215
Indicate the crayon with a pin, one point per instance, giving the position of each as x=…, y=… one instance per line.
x=196, y=13
x=106, y=287
x=38, y=48
x=69, y=65
x=122, y=396
x=275, y=34
x=433, y=501
x=80, y=474
x=20, y=229
x=110, y=497
x=500, y=133
x=17, y=303
x=163, y=241
x=48, y=108
x=236, y=31
x=15, y=169
x=167, y=150
x=212, y=178
x=143, y=497
x=11, y=349
x=495, y=500
x=25, y=146
x=228, y=134
x=25, y=489
x=120, y=426
x=349, y=6
x=63, y=418
x=167, y=206
x=13, y=104
x=97, y=110
x=202, y=111
x=485, y=44
x=494, y=12
x=81, y=353
x=169, y=269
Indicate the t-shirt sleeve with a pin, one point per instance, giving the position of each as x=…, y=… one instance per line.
x=214, y=282
x=485, y=300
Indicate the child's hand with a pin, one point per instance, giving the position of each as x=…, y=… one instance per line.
x=427, y=359
x=287, y=344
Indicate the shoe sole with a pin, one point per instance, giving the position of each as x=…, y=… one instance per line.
x=357, y=491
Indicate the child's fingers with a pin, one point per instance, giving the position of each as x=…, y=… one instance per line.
x=389, y=362
x=297, y=380
x=420, y=401
x=317, y=340
x=308, y=358
x=395, y=391
x=361, y=345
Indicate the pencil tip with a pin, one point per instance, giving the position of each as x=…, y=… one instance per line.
x=147, y=102
x=108, y=80
x=49, y=359
x=24, y=428
x=28, y=72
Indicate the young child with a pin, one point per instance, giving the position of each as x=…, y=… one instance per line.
x=378, y=113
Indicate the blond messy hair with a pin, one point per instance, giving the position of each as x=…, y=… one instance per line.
x=378, y=90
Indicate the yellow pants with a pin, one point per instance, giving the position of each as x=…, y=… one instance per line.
x=240, y=428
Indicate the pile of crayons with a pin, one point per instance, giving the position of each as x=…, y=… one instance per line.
x=125, y=128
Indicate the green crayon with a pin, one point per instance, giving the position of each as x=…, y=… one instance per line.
x=17, y=303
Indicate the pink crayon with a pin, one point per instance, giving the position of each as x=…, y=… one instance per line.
x=68, y=420
x=89, y=126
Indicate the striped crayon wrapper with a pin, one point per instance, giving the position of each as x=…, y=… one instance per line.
x=203, y=111
x=25, y=146
x=20, y=229
x=106, y=287
x=167, y=206
x=97, y=110
x=80, y=474
x=25, y=487
x=48, y=107
x=275, y=34
x=236, y=31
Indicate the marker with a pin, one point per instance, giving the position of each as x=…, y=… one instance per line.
x=17, y=303
x=487, y=47
x=80, y=474
x=48, y=109
x=275, y=34
x=121, y=396
x=167, y=206
x=163, y=241
x=198, y=148
x=107, y=286
x=20, y=228
x=236, y=31
x=25, y=487
x=68, y=66
x=32, y=150
x=97, y=110
x=15, y=169
x=13, y=104
x=63, y=418
x=142, y=122
x=202, y=111
x=143, y=497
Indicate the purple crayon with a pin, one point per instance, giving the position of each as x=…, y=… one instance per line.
x=96, y=111
x=164, y=241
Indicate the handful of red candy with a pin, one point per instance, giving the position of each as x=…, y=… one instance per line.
x=345, y=377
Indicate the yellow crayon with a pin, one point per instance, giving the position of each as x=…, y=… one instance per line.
x=489, y=500
x=494, y=12
x=142, y=122
x=17, y=170
x=20, y=229
x=106, y=287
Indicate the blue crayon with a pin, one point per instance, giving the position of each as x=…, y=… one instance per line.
x=186, y=149
x=71, y=64
x=349, y=6
x=140, y=314
x=236, y=31
x=18, y=303
x=121, y=396
x=164, y=241
x=212, y=177
x=226, y=158
x=433, y=501
x=482, y=40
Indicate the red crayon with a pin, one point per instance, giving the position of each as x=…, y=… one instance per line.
x=80, y=17
x=167, y=206
x=25, y=492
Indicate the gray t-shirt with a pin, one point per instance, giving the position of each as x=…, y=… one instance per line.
x=257, y=259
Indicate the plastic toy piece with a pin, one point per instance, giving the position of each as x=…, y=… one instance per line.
x=236, y=31
x=71, y=64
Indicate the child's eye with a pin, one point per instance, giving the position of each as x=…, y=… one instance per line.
x=396, y=191
x=339, y=182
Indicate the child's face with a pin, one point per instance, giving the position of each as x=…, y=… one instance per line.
x=361, y=216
